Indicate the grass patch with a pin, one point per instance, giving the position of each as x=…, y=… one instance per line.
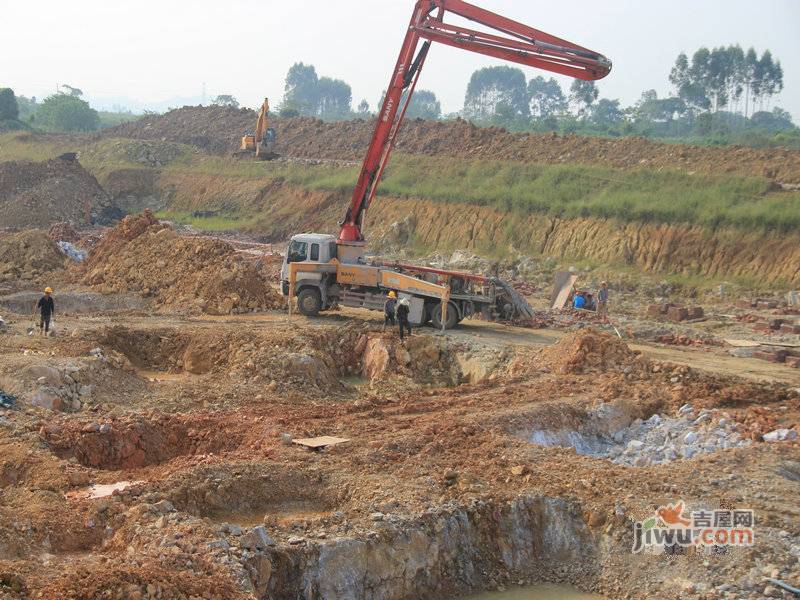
x=583, y=191
x=568, y=191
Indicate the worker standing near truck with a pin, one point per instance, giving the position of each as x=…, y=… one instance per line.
x=602, y=300
x=403, y=308
x=46, y=308
x=389, y=309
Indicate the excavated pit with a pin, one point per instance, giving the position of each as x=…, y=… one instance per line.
x=251, y=496
x=137, y=441
x=326, y=359
x=445, y=553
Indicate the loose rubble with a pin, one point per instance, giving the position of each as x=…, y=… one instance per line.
x=189, y=274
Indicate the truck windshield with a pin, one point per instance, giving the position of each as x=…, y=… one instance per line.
x=297, y=252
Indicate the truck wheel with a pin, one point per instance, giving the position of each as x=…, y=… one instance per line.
x=452, y=316
x=309, y=302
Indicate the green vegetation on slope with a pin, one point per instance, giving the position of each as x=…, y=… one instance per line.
x=558, y=190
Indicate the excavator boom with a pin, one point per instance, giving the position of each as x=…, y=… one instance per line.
x=510, y=40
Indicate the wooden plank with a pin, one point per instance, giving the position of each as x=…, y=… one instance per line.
x=752, y=344
x=319, y=442
x=564, y=282
x=743, y=343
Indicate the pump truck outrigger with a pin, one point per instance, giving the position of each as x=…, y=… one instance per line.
x=323, y=271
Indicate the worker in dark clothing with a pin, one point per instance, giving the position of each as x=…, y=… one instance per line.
x=46, y=309
x=389, y=308
x=602, y=301
x=403, y=309
x=590, y=305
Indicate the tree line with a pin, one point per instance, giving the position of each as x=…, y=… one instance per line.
x=65, y=111
x=717, y=93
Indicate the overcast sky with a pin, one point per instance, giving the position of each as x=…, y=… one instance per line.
x=153, y=51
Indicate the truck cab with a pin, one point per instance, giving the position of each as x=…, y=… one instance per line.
x=310, y=248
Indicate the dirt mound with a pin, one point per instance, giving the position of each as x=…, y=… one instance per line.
x=186, y=274
x=63, y=232
x=460, y=139
x=36, y=194
x=216, y=129
x=588, y=351
x=28, y=255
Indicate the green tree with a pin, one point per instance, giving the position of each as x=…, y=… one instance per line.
x=363, y=107
x=27, y=107
x=545, y=98
x=719, y=77
x=424, y=105
x=583, y=94
x=775, y=121
x=65, y=113
x=301, y=91
x=689, y=80
x=492, y=86
x=9, y=109
x=334, y=98
x=606, y=113
x=226, y=100
x=651, y=109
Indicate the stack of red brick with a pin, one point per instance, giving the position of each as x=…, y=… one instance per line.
x=685, y=340
x=759, y=303
x=778, y=326
x=791, y=357
x=675, y=313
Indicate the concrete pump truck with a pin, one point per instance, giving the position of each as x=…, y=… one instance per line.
x=323, y=271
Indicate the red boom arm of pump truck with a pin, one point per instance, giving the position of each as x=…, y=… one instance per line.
x=512, y=41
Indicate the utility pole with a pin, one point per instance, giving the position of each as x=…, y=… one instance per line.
x=204, y=94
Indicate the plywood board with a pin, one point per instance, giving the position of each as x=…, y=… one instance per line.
x=319, y=442
x=743, y=343
x=562, y=287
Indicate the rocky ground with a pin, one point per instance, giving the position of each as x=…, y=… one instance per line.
x=146, y=450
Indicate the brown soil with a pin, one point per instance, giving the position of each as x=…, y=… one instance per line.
x=63, y=232
x=218, y=130
x=189, y=274
x=393, y=223
x=29, y=255
x=38, y=194
x=210, y=452
x=589, y=351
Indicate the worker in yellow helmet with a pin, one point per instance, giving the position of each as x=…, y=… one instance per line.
x=46, y=309
x=389, y=309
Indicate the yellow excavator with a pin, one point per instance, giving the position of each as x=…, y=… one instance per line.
x=262, y=142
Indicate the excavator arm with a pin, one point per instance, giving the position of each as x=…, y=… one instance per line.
x=512, y=41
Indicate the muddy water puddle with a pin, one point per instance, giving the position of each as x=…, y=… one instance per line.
x=537, y=592
x=100, y=490
x=284, y=513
